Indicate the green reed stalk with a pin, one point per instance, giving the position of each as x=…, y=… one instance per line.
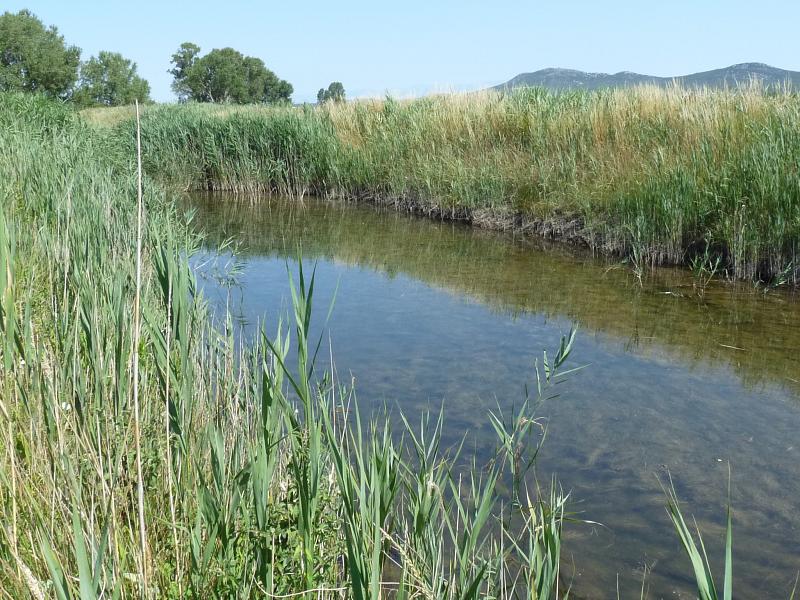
x=233, y=461
x=137, y=315
x=701, y=568
x=653, y=175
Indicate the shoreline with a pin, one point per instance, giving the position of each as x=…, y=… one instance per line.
x=662, y=177
x=568, y=231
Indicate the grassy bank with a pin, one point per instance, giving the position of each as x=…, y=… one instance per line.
x=146, y=454
x=660, y=176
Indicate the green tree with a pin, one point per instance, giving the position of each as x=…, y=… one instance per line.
x=277, y=90
x=334, y=93
x=219, y=76
x=34, y=58
x=110, y=80
x=183, y=60
x=225, y=75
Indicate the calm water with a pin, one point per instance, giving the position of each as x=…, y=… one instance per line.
x=429, y=313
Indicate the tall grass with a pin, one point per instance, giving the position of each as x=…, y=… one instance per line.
x=168, y=460
x=662, y=175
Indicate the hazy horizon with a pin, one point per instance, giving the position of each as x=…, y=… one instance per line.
x=416, y=48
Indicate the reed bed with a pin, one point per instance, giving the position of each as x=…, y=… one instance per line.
x=660, y=176
x=146, y=453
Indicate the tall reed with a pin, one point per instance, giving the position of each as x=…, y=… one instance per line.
x=169, y=460
x=663, y=175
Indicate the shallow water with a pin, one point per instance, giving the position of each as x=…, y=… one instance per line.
x=429, y=312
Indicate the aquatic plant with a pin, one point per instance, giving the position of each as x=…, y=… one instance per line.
x=649, y=173
x=701, y=568
x=163, y=458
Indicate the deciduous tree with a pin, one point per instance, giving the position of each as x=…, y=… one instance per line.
x=183, y=59
x=110, y=79
x=334, y=93
x=225, y=75
x=35, y=58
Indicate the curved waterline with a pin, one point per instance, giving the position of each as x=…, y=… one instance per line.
x=432, y=313
x=754, y=333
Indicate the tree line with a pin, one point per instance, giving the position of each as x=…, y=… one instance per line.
x=225, y=75
x=35, y=58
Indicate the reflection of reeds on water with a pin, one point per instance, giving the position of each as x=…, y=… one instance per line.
x=658, y=174
x=734, y=325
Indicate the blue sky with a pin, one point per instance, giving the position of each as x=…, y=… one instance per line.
x=417, y=46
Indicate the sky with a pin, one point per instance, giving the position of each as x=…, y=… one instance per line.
x=415, y=47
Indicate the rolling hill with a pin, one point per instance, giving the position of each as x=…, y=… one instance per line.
x=733, y=76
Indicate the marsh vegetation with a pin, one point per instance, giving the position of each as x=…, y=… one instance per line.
x=658, y=176
x=147, y=452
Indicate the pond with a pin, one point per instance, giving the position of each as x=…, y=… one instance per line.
x=678, y=380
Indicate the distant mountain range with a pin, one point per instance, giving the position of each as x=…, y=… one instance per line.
x=733, y=76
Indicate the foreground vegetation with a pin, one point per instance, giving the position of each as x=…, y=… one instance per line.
x=659, y=176
x=145, y=453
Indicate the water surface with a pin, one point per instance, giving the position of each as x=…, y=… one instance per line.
x=429, y=313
